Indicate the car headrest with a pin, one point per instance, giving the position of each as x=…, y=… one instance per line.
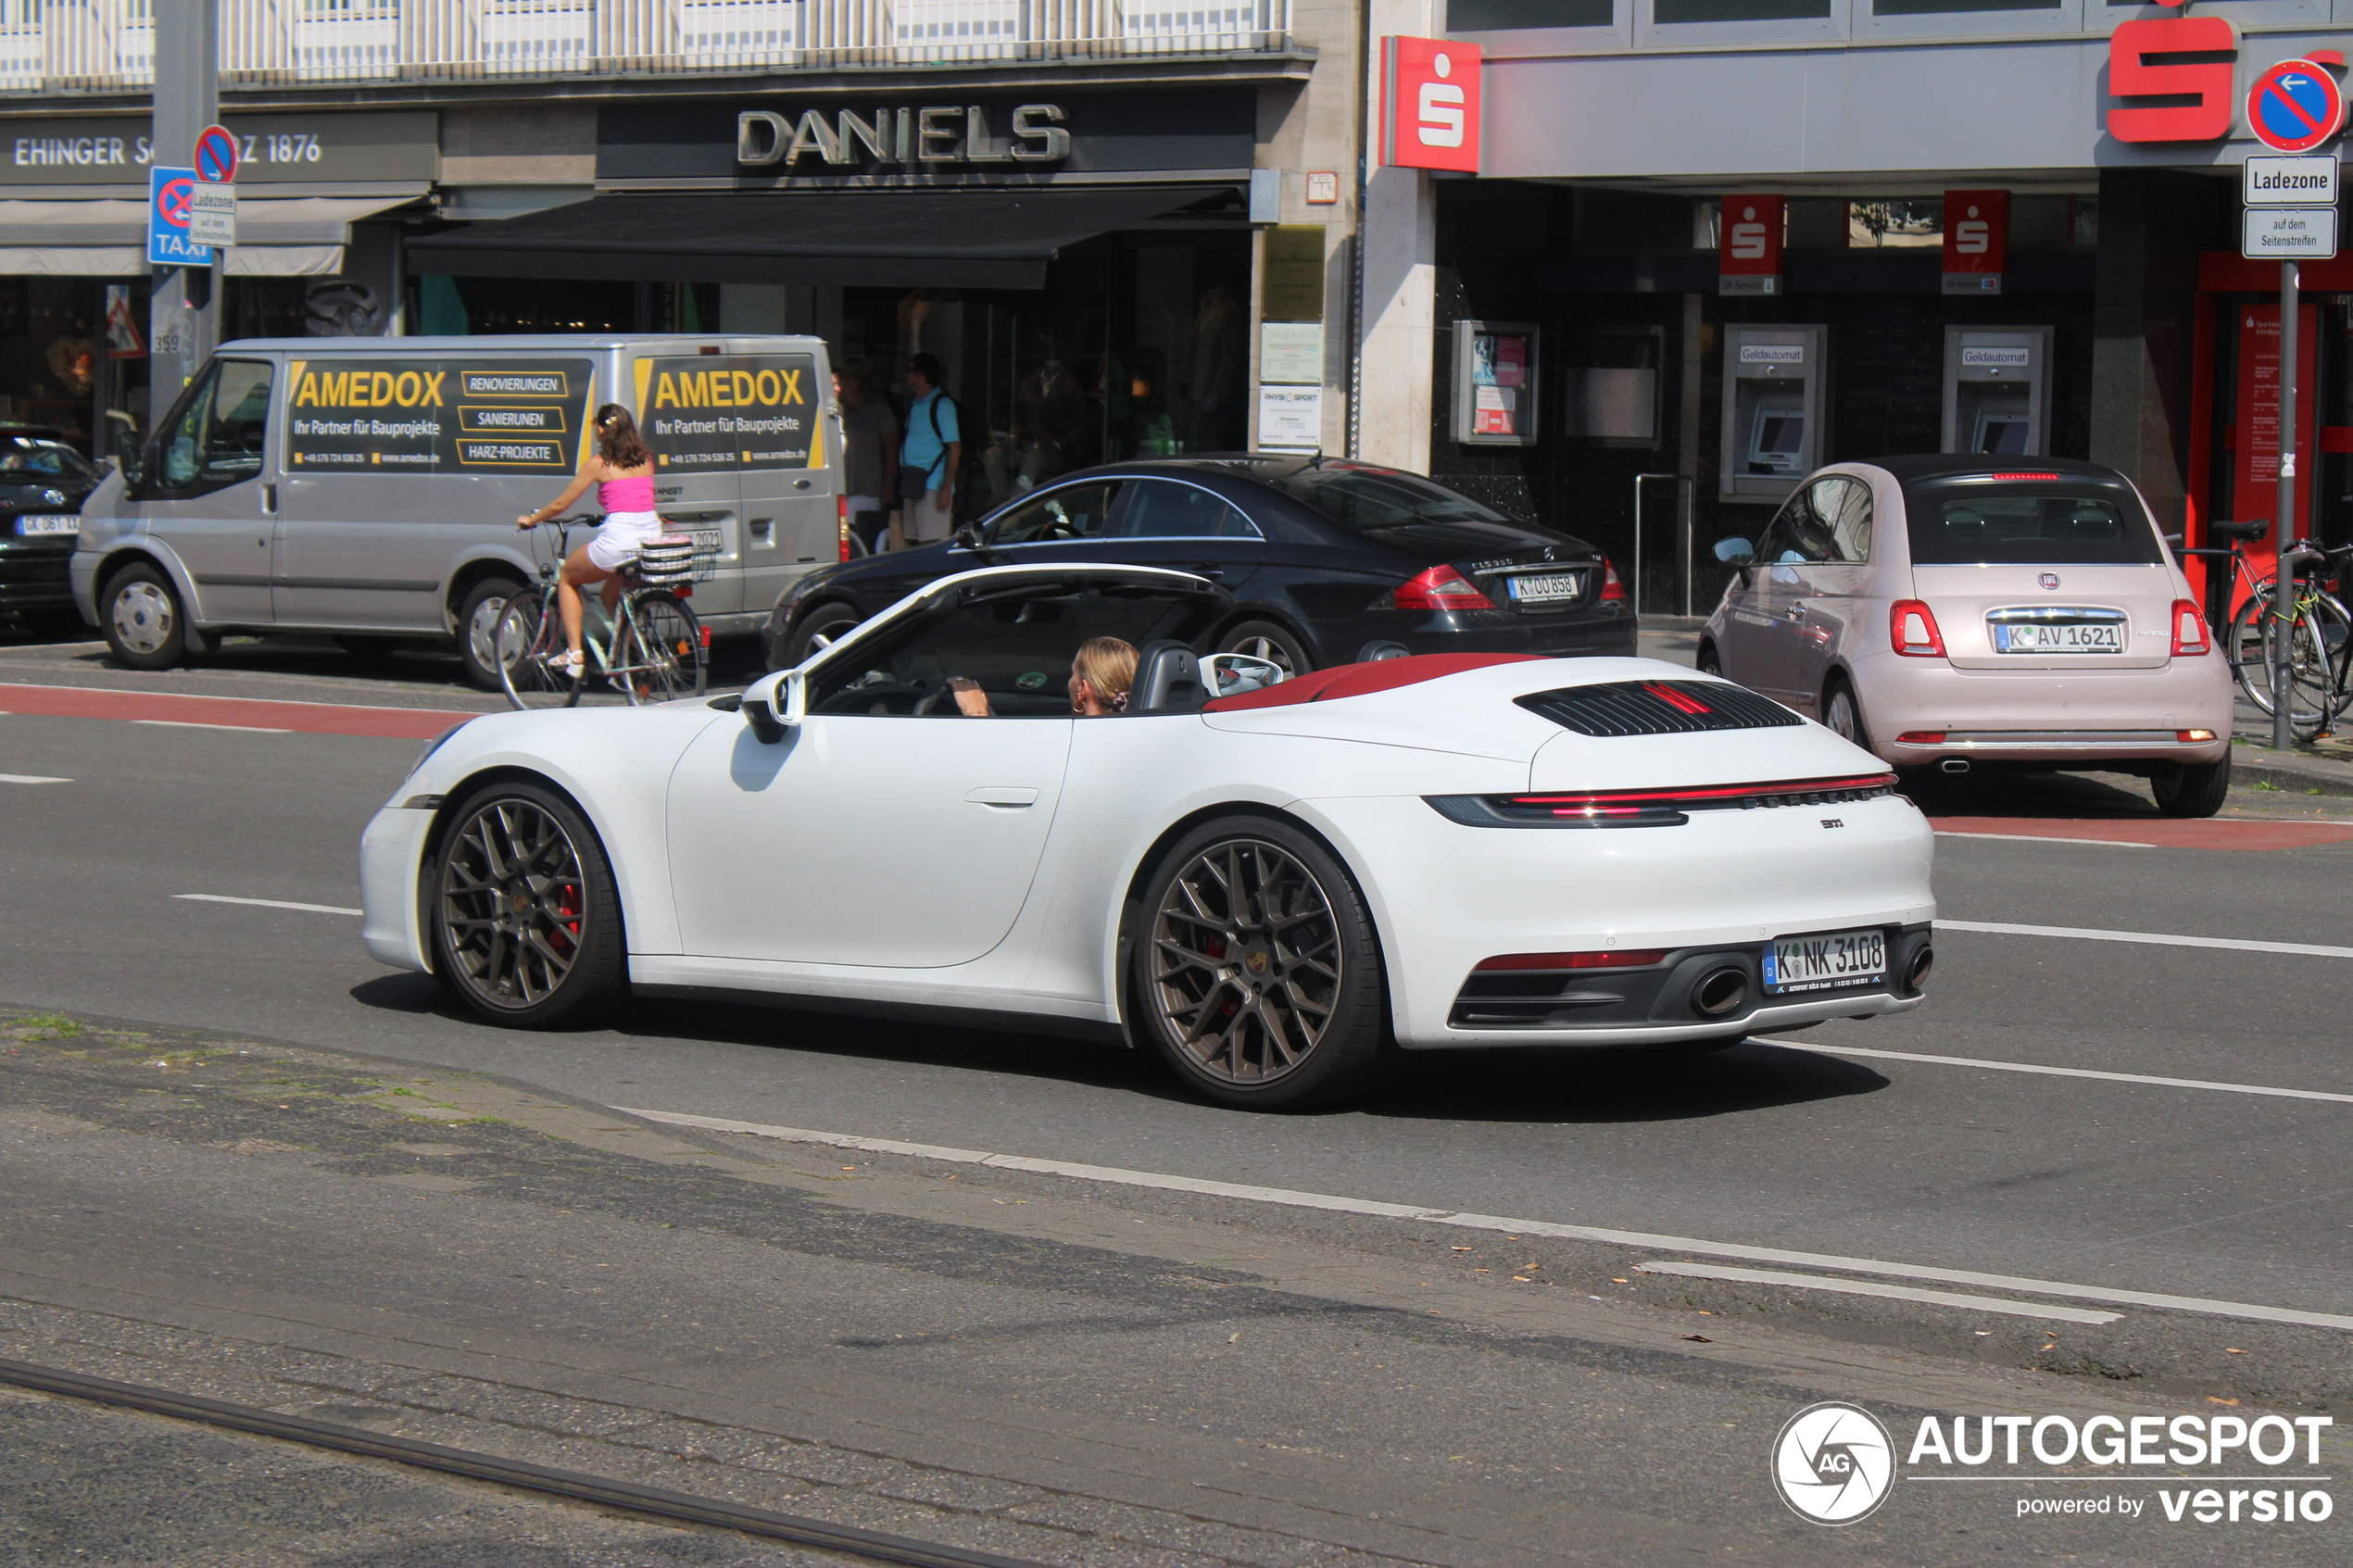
x=1168, y=680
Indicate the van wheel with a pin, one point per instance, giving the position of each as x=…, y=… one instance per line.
x=478, y=627
x=2192, y=789
x=142, y=621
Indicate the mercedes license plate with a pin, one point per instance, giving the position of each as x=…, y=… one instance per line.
x=1552, y=588
x=2064, y=636
x=47, y=523
x=1826, y=962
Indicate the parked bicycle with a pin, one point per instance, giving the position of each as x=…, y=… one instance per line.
x=2320, y=668
x=654, y=651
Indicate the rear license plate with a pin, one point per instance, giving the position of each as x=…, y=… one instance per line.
x=53, y=522
x=1828, y=962
x=1554, y=588
x=706, y=540
x=2099, y=636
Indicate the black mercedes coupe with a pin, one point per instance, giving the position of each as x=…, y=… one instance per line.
x=1325, y=561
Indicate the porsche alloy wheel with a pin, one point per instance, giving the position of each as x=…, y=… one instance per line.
x=1258, y=976
x=526, y=922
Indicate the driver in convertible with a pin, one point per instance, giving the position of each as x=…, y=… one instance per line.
x=1099, y=678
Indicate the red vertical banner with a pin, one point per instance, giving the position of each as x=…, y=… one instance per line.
x=1977, y=241
x=1430, y=104
x=2254, y=481
x=1748, y=246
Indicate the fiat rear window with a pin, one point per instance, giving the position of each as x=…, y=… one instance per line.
x=1994, y=523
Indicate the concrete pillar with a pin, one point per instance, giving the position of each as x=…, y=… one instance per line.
x=1398, y=232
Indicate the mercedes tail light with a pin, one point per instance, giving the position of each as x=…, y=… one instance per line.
x=1442, y=587
x=1912, y=628
x=2189, y=629
x=1610, y=588
x=841, y=519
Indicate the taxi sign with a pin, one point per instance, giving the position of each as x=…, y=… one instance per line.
x=2295, y=106
x=215, y=155
x=172, y=195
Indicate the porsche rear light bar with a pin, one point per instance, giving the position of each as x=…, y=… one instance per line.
x=1630, y=958
x=1652, y=807
x=1442, y=587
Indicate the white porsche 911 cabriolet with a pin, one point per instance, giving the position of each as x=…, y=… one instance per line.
x=1269, y=886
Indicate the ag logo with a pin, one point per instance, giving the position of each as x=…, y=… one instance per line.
x=1834, y=1463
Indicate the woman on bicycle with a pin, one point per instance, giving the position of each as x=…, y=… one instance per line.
x=623, y=471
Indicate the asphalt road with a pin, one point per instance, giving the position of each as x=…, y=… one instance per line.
x=2202, y=1190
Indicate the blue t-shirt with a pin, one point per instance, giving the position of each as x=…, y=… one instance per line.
x=925, y=448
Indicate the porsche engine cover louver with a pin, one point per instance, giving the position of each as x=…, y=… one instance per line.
x=1657, y=708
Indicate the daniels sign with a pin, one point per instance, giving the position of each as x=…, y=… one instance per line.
x=934, y=135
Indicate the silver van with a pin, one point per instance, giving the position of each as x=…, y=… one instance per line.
x=367, y=487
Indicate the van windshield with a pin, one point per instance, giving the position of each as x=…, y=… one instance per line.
x=2040, y=524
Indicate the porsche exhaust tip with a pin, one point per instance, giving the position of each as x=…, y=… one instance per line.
x=1916, y=971
x=1720, y=992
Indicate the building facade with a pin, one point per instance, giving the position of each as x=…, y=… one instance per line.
x=1751, y=235
x=1085, y=208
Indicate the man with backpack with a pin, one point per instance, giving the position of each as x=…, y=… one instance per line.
x=928, y=458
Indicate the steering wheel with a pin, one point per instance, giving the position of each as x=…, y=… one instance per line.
x=944, y=692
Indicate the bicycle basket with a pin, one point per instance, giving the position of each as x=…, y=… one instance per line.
x=666, y=560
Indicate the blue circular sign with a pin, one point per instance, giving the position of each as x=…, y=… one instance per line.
x=172, y=200
x=2295, y=106
x=215, y=155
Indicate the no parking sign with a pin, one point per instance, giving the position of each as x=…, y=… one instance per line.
x=2295, y=106
x=172, y=195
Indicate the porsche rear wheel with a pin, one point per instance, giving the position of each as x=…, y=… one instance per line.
x=526, y=922
x=1255, y=969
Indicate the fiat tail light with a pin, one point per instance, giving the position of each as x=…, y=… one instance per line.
x=2189, y=629
x=841, y=521
x=1442, y=587
x=1912, y=628
x=1610, y=588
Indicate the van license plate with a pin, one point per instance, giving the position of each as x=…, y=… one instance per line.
x=2102, y=637
x=1553, y=588
x=706, y=540
x=53, y=522
x=1827, y=962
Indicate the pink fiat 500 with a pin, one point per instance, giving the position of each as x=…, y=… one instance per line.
x=1956, y=613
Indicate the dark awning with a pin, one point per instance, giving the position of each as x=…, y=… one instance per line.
x=998, y=239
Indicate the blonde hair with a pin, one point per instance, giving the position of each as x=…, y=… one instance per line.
x=1108, y=666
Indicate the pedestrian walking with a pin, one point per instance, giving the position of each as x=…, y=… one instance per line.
x=870, y=453
x=928, y=458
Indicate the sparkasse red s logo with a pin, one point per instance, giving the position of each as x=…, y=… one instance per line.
x=1429, y=103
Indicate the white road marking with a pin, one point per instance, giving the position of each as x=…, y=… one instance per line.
x=1872, y=1287
x=2154, y=938
x=269, y=904
x=2041, y=838
x=2206, y=1084
x=29, y=778
x=1646, y=1240
x=198, y=724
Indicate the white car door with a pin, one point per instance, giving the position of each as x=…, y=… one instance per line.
x=861, y=839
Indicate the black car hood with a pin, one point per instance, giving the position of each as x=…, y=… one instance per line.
x=31, y=498
x=1450, y=541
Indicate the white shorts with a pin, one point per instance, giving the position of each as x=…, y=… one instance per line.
x=616, y=542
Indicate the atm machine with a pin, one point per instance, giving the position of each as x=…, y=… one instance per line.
x=1773, y=405
x=1998, y=391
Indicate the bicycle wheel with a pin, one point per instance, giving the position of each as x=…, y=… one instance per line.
x=2242, y=645
x=659, y=653
x=529, y=643
x=2318, y=631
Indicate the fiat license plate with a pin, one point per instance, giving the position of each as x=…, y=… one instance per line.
x=2066, y=636
x=1826, y=962
x=1553, y=588
x=47, y=523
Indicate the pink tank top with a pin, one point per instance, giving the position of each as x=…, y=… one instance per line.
x=626, y=494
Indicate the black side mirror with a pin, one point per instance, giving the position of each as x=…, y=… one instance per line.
x=967, y=537
x=128, y=458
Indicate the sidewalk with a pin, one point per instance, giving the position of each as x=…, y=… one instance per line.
x=2325, y=765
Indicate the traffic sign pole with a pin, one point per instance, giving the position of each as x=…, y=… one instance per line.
x=183, y=310
x=2284, y=526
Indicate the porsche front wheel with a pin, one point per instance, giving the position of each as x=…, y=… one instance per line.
x=1257, y=972
x=526, y=922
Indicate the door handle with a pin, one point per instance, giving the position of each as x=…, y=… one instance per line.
x=1203, y=568
x=1003, y=797
x=269, y=499
x=801, y=485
